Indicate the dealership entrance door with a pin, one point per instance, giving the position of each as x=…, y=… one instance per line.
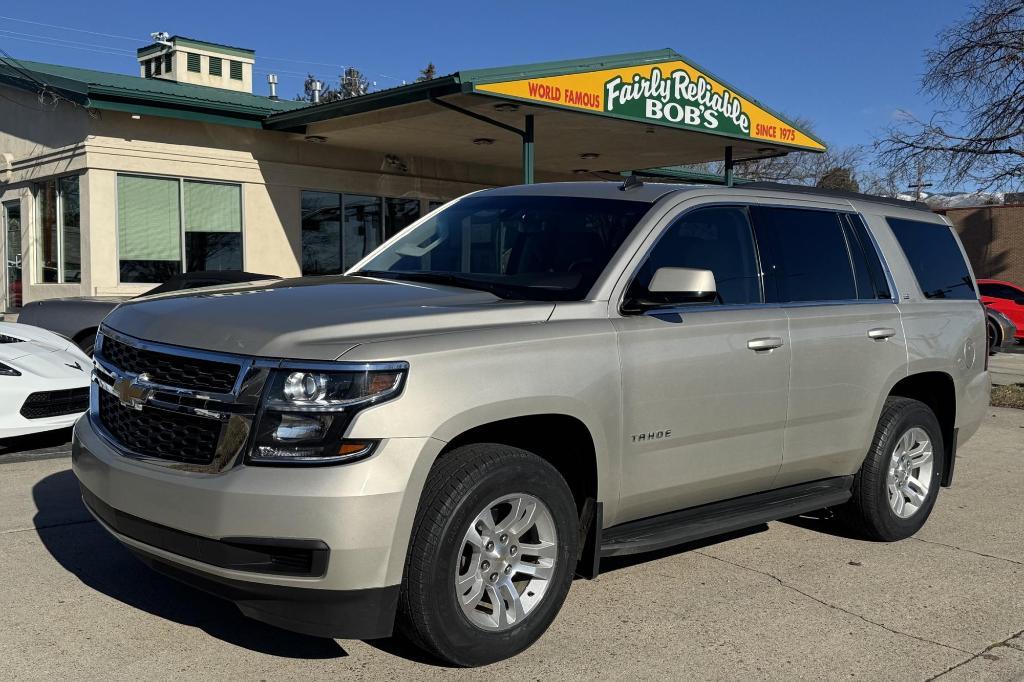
x=12, y=251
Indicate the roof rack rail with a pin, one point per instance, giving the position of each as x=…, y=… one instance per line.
x=838, y=193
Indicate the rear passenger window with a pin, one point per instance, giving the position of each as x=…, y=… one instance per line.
x=716, y=239
x=804, y=255
x=935, y=258
x=875, y=268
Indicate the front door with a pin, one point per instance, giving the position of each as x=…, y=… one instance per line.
x=12, y=252
x=705, y=386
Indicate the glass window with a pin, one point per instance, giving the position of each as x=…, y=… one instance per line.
x=517, y=247
x=157, y=217
x=717, y=239
x=12, y=216
x=213, y=226
x=867, y=251
x=321, y=233
x=399, y=214
x=363, y=227
x=803, y=255
x=71, y=228
x=149, y=228
x=48, y=259
x=935, y=258
x=59, y=222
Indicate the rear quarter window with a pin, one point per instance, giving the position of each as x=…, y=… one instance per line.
x=935, y=257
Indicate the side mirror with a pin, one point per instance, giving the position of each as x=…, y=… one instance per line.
x=675, y=286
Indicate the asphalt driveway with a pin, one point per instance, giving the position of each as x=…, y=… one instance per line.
x=798, y=600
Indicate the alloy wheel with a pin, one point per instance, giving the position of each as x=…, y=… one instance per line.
x=507, y=562
x=910, y=472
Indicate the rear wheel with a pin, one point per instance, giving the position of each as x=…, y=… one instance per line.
x=896, y=487
x=492, y=555
x=995, y=338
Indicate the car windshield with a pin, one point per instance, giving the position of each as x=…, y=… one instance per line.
x=518, y=247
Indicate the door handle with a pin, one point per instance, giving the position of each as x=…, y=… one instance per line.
x=765, y=343
x=881, y=333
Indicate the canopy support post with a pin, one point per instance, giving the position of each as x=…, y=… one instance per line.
x=528, y=151
x=526, y=134
x=728, y=167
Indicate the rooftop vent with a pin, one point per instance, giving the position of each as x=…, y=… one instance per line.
x=198, y=62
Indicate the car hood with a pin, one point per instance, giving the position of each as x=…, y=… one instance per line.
x=42, y=351
x=313, y=318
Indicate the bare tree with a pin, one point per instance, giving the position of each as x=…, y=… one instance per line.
x=976, y=74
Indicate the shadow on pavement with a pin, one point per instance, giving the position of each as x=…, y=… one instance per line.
x=36, y=446
x=99, y=561
x=823, y=521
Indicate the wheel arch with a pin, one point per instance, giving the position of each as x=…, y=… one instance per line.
x=937, y=390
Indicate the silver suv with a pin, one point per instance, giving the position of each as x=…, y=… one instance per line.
x=528, y=380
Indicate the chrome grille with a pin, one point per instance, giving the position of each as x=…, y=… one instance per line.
x=195, y=374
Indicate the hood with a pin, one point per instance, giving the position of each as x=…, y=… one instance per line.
x=42, y=353
x=313, y=318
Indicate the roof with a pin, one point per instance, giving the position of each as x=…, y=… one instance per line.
x=121, y=92
x=652, y=191
x=523, y=82
x=182, y=41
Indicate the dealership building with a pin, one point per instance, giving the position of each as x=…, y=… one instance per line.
x=111, y=183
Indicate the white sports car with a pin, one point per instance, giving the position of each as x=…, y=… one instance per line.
x=44, y=380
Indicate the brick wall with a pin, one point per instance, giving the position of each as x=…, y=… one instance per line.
x=993, y=237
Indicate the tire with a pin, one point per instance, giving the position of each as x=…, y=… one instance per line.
x=87, y=343
x=462, y=484
x=994, y=337
x=874, y=509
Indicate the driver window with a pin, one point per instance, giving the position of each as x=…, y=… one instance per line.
x=715, y=238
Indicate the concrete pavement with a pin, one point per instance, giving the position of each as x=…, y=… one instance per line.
x=798, y=601
x=1007, y=368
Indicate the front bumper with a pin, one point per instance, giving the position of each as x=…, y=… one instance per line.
x=359, y=513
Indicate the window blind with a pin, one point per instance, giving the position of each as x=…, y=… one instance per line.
x=212, y=207
x=149, y=219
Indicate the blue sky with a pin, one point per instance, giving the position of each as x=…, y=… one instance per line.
x=845, y=66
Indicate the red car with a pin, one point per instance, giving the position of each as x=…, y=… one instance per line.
x=1005, y=297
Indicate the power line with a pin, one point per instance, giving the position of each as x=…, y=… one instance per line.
x=14, y=35
x=107, y=49
x=69, y=28
x=70, y=47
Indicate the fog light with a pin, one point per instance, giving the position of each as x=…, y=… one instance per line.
x=294, y=427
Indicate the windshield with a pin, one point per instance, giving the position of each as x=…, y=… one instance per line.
x=521, y=247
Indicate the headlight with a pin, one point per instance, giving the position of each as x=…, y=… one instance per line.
x=306, y=412
x=8, y=371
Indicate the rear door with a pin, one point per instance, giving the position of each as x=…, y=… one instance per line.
x=845, y=332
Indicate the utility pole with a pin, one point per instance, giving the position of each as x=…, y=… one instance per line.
x=920, y=184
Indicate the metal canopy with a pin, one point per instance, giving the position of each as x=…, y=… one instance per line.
x=606, y=114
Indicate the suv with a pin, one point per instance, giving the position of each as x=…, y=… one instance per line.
x=525, y=381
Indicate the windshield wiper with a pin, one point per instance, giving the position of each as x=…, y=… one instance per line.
x=448, y=278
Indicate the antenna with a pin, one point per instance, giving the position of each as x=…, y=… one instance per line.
x=631, y=182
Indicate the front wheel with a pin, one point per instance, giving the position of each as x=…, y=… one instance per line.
x=896, y=487
x=492, y=555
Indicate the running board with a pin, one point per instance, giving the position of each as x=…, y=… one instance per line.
x=717, y=518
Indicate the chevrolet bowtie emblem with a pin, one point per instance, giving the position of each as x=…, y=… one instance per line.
x=132, y=392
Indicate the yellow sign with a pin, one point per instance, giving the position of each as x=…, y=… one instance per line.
x=670, y=93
